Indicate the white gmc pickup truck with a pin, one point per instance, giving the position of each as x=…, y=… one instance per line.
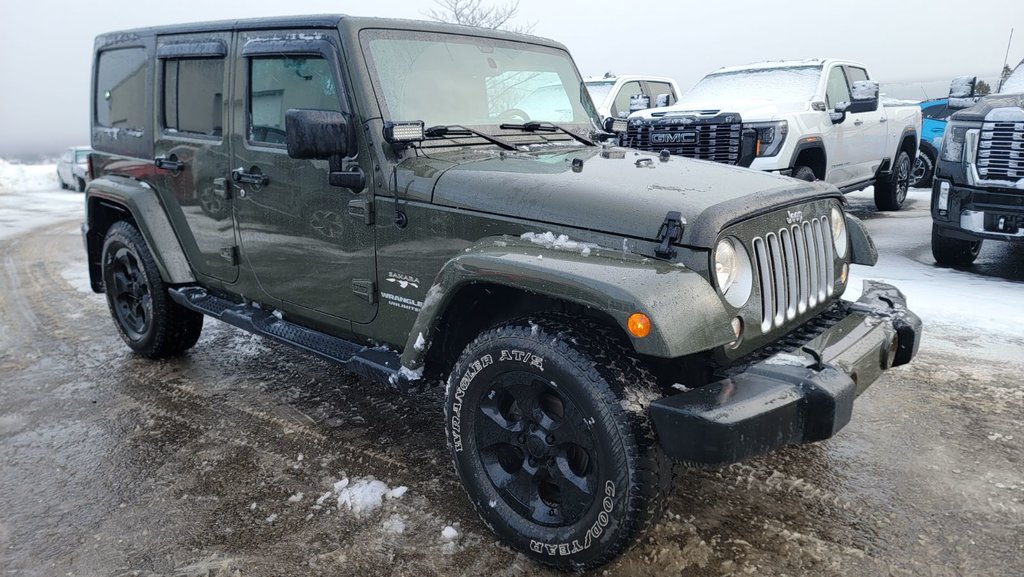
x=815, y=119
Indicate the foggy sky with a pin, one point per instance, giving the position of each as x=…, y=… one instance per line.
x=46, y=47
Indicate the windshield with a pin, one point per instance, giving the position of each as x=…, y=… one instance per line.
x=600, y=89
x=445, y=79
x=1015, y=83
x=789, y=84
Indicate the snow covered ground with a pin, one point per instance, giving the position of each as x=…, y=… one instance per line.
x=30, y=197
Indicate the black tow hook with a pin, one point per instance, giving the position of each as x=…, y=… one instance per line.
x=818, y=365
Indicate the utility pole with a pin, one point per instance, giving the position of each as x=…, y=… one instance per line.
x=1006, y=60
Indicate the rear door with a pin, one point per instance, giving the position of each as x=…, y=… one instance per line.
x=307, y=242
x=191, y=152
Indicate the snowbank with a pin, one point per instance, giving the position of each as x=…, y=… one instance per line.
x=27, y=177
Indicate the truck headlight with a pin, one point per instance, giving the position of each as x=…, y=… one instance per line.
x=953, y=140
x=770, y=136
x=733, y=271
x=838, y=221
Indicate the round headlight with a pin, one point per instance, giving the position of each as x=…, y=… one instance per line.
x=725, y=264
x=838, y=221
x=733, y=271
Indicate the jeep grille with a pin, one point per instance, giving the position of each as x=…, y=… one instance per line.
x=795, y=267
x=718, y=141
x=1001, y=151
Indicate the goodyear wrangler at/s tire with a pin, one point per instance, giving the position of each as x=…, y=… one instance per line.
x=150, y=323
x=547, y=424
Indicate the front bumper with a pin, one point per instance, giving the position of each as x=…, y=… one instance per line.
x=800, y=396
x=977, y=213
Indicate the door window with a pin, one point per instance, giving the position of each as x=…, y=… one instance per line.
x=855, y=74
x=620, y=108
x=194, y=96
x=837, y=90
x=278, y=84
x=659, y=88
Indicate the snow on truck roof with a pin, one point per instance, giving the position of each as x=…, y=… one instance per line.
x=627, y=77
x=771, y=64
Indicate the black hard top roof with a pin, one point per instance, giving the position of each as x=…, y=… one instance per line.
x=320, y=21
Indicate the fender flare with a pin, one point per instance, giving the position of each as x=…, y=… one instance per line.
x=687, y=314
x=862, y=248
x=811, y=142
x=141, y=201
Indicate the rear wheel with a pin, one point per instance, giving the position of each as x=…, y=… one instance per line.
x=149, y=321
x=548, y=428
x=954, y=251
x=891, y=190
x=60, y=179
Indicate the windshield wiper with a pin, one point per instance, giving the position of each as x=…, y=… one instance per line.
x=545, y=126
x=459, y=130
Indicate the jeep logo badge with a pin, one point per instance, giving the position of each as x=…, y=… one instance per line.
x=681, y=137
x=793, y=217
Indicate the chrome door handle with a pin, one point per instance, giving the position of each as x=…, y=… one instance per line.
x=882, y=119
x=858, y=122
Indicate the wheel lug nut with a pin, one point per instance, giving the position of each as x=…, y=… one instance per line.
x=551, y=512
x=550, y=439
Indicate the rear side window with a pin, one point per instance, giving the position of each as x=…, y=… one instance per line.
x=121, y=89
x=193, y=100
x=277, y=84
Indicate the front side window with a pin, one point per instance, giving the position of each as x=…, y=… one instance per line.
x=447, y=79
x=620, y=108
x=855, y=74
x=194, y=96
x=121, y=89
x=279, y=83
x=660, y=88
x=837, y=90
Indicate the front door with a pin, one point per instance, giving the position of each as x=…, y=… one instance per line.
x=191, y=167
x=296, y=231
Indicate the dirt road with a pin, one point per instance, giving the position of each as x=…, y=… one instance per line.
x=223, y=462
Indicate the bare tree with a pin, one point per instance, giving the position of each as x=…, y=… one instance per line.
x=475, y=13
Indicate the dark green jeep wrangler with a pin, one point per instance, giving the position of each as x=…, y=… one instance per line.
x=429, y=203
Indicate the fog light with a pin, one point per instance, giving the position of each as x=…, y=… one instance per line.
x=737, y=329
x=942, y=203
x=639, y=325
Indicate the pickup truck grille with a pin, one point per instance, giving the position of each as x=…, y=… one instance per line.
x=718, y=141
x=1001, y=151
x=795, y=268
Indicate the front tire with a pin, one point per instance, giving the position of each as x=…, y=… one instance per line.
x=804, y=173
x=80, y=184
x=150, y=323
x=891, y=191
x=547, y=425
x=954, y=251
x=923, y=170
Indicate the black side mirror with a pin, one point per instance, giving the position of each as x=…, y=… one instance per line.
x=962, y=92
x=317, y=134
x=864, y=97
x=838, y=115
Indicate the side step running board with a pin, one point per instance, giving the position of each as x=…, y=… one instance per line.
x=381, y=366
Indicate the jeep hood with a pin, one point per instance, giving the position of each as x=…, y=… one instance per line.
x=616, y=191
x=749, y=109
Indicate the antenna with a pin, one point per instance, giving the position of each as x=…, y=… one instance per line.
x=1006, y=60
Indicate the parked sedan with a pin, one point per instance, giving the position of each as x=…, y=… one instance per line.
x=73, y=168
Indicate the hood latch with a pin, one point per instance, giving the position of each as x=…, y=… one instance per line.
x=671, y=231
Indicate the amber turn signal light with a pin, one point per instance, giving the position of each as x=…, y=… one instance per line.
x=639, y=325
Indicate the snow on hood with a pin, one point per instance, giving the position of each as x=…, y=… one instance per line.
x=750, y=109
